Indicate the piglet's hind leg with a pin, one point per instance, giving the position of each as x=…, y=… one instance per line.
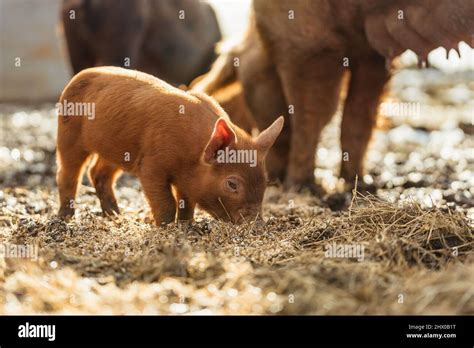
x=103, y=174
x=71, y=163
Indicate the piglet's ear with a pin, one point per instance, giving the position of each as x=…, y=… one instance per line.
x=265, y=140
x=222, y=137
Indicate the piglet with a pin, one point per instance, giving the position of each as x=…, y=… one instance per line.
x=181, y=145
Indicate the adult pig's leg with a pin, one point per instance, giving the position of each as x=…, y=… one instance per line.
x=266, y=100
x=368, y=79
x=311, y=86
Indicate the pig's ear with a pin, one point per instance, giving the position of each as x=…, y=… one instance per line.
x=265, y=140
x=222, y=137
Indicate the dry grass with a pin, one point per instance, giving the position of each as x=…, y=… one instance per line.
x=416, y=261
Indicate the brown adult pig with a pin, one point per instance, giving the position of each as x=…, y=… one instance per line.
x=232, y=100
x=171, y=39
x=306, y=49
x=309, y=42
x=249, y=65
x=173, y=140
x=231, y=97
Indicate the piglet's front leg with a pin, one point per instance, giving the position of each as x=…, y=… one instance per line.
x=160, y=197
x=185, y=206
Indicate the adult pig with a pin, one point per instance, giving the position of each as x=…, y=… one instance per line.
x=311, y=44
x=171, y=39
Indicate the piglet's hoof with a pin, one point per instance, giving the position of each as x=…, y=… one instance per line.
x=65, y=213
x=110, y=210
x=65, y=218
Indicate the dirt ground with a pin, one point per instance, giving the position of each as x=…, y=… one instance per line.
x=415, y=234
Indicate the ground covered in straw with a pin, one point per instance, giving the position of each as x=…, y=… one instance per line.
x=413, y=237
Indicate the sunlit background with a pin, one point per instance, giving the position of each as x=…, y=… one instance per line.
x=233, y=14
x=30, y=30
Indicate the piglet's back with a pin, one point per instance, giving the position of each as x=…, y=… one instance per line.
x=114, y=89
x=136, y=112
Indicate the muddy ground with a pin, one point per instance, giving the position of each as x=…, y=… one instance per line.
x=415, y=231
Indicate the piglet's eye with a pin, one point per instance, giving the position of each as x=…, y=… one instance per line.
x=232, y=185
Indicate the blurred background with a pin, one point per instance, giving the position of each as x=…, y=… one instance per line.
x=30, y=31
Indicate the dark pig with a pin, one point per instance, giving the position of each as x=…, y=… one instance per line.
x=171, y=39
